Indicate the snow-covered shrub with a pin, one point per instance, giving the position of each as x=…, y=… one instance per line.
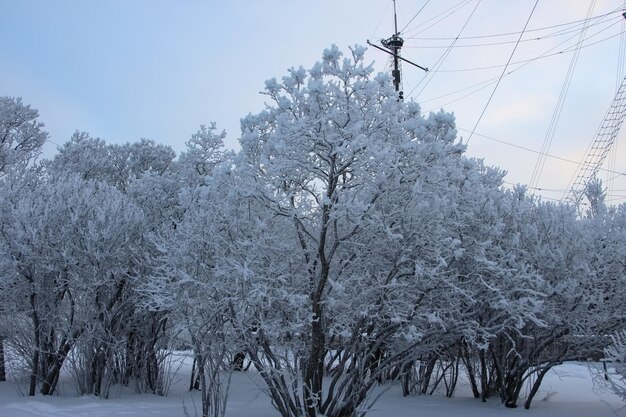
x=615, y=354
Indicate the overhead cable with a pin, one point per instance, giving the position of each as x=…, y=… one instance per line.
x=509, y=143
x=503, y=72
x=442, y=58
x=556, y=115
x=414, y=16
x=576, y=22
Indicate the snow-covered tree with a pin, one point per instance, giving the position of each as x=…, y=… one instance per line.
x=456, y=217
x=69, y=249
x=21, y=135
x=537, y=296
x=539, y=265
x=605, y=252
x=143, y=172
x=205, y=151
x=333, y=159
x=197, y=293
x=118, y=165
x=615, y=355
x=348, y=242
x=193, y=286
x=21, y=140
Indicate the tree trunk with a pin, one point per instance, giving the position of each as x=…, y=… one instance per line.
x=427, y=374
x=483, y=375
x=98, y=367
x=3, y=375
x=53, y=372
x=535, y=388
x=194, y=381
x=37, y=345
x=471, y=372
x=152, y=371
x=315, y=363
x=203, y=387
x=454, y=378
x=407, y=376
x=52, y=378
x=238, y=361
x=34, y=374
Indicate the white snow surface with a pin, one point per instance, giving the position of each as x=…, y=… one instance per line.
x=567, y=391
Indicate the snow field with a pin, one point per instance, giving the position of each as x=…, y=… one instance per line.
x=568, y=391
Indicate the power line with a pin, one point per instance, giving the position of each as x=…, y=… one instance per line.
x=509, y=143
x=54, y=143
x=551, y=190
x=381, y=18
x=556, y=115
x=521, y=64
x=503, y=71
x=572, y=48
x=616, y=11
x=539, y=38
x=543, y=197
x=416, y=14
x=484, y=84
x=443, y=57
x=604, y=21
x=610, y=170
x=612, y=157
x=452, y=10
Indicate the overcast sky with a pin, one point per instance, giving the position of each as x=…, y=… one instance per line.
x=125, y=70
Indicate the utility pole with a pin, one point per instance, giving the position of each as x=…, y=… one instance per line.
x=392, y=46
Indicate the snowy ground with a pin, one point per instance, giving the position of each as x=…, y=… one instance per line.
x=567, y=391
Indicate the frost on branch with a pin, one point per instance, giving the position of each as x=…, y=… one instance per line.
x=21, y=135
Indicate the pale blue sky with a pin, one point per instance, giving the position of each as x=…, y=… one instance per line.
x=123, y=70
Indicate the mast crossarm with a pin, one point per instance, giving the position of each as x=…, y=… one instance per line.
x=396, y=56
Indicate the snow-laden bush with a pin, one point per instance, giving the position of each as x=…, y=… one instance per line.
x=616, y=372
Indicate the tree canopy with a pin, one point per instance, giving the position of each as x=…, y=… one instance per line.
x=349, y=242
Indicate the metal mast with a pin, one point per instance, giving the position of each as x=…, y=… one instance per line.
x=601, y=145
x=392, y=46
